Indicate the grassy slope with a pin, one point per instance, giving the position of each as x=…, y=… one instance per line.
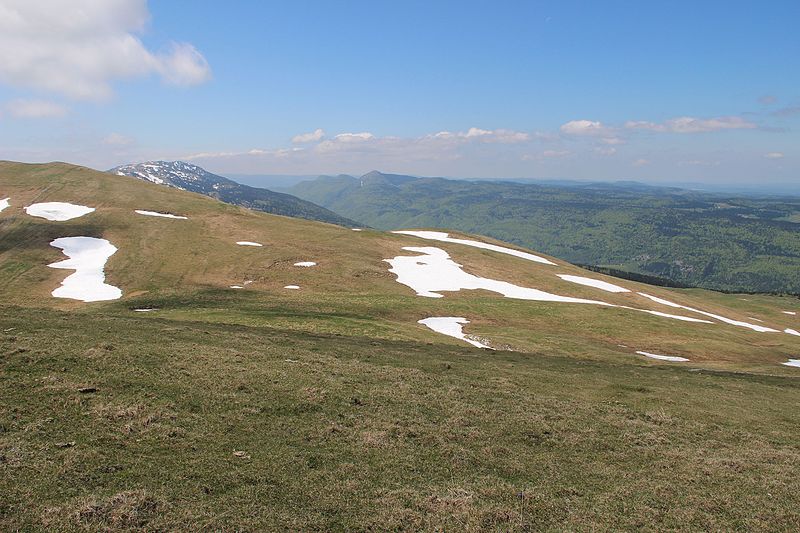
x=344, y=432
x=352, y=415
x=691, y=237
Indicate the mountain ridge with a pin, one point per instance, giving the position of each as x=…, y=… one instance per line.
x=190, y=177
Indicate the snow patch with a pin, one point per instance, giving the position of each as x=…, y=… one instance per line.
x=754, y=327
x=451, y=326
x=248, y=243
x=87, y=257
x=434, y=272
x=58, y=211
x=675, y=317
x=145, y=310
x=672, y=358
x=236, y=287
x=784, y=312
x=157, y=214
x=291, y=287
x=596, y=283
x=305, y=264
x=445, y=237
x=792, y=362
x=4, y=203
x=792, y=332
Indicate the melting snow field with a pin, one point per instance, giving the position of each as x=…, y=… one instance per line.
x=784, y=312
x=4, y=203
x=291, y=287
x=445, y=237
x=451, y=326
x=792, y=332
x=236, y=287
x=357, y=229
x=435, y=272
x=248, y=243
x=305, y=264
x=596, y=283
x=58, y=211
x=755, y=327
x=157, y=214
x=663, y=357
x=792, y=362
x=87, y=257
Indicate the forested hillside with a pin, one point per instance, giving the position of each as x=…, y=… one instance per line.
x=692, y=238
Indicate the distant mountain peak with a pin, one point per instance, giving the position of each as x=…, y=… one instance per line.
x=190, y=177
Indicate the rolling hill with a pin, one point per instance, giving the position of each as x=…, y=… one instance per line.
x=196, y=179
x=256, y=371
x=714, y=241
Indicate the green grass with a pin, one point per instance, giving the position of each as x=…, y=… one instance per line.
x=350, y=433
x=330, y=408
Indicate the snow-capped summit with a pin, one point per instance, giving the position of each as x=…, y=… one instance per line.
x=189, y=177
x=178, y=174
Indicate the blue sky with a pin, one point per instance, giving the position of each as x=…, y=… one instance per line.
x=667, y=91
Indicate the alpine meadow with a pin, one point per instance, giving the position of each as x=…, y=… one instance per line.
x=232, y=298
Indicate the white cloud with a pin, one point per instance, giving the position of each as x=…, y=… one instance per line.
x=607, y=151
x=774, y=155
x=117, y=139
x=35, y=109
x=547, y=154
x=691, y=125
x=478, y=134
x=641, y=162
x=316, y=135
x=584, y=127
x=699, y=163
x=353, y=137
x=77, y=48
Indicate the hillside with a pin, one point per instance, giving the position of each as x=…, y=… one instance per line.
x=210, y=394
x=692, y=238
x=196, y=179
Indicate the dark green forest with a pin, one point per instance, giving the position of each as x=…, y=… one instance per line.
x=690, y=238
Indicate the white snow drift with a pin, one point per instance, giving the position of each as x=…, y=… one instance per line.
x=792, y=362
x=672, y=358
x=792, y=332
x=755, y=327
x=58, y=211
x=248, y=243
x=4, y=203
x=291, y=287
x=784, y=312
x=445, y=237
x=434, y=272
x=157, y=214
x=87, y=257
x=596, y=283
x=451, y=326
x=305, y=264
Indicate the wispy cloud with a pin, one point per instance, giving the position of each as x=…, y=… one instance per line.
x=78, y=48
x=117, y=139
x=788, y=111
x=692, y=125
x=584, y=127
x=774, y=155
x=22, y=108
x=316, y=135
